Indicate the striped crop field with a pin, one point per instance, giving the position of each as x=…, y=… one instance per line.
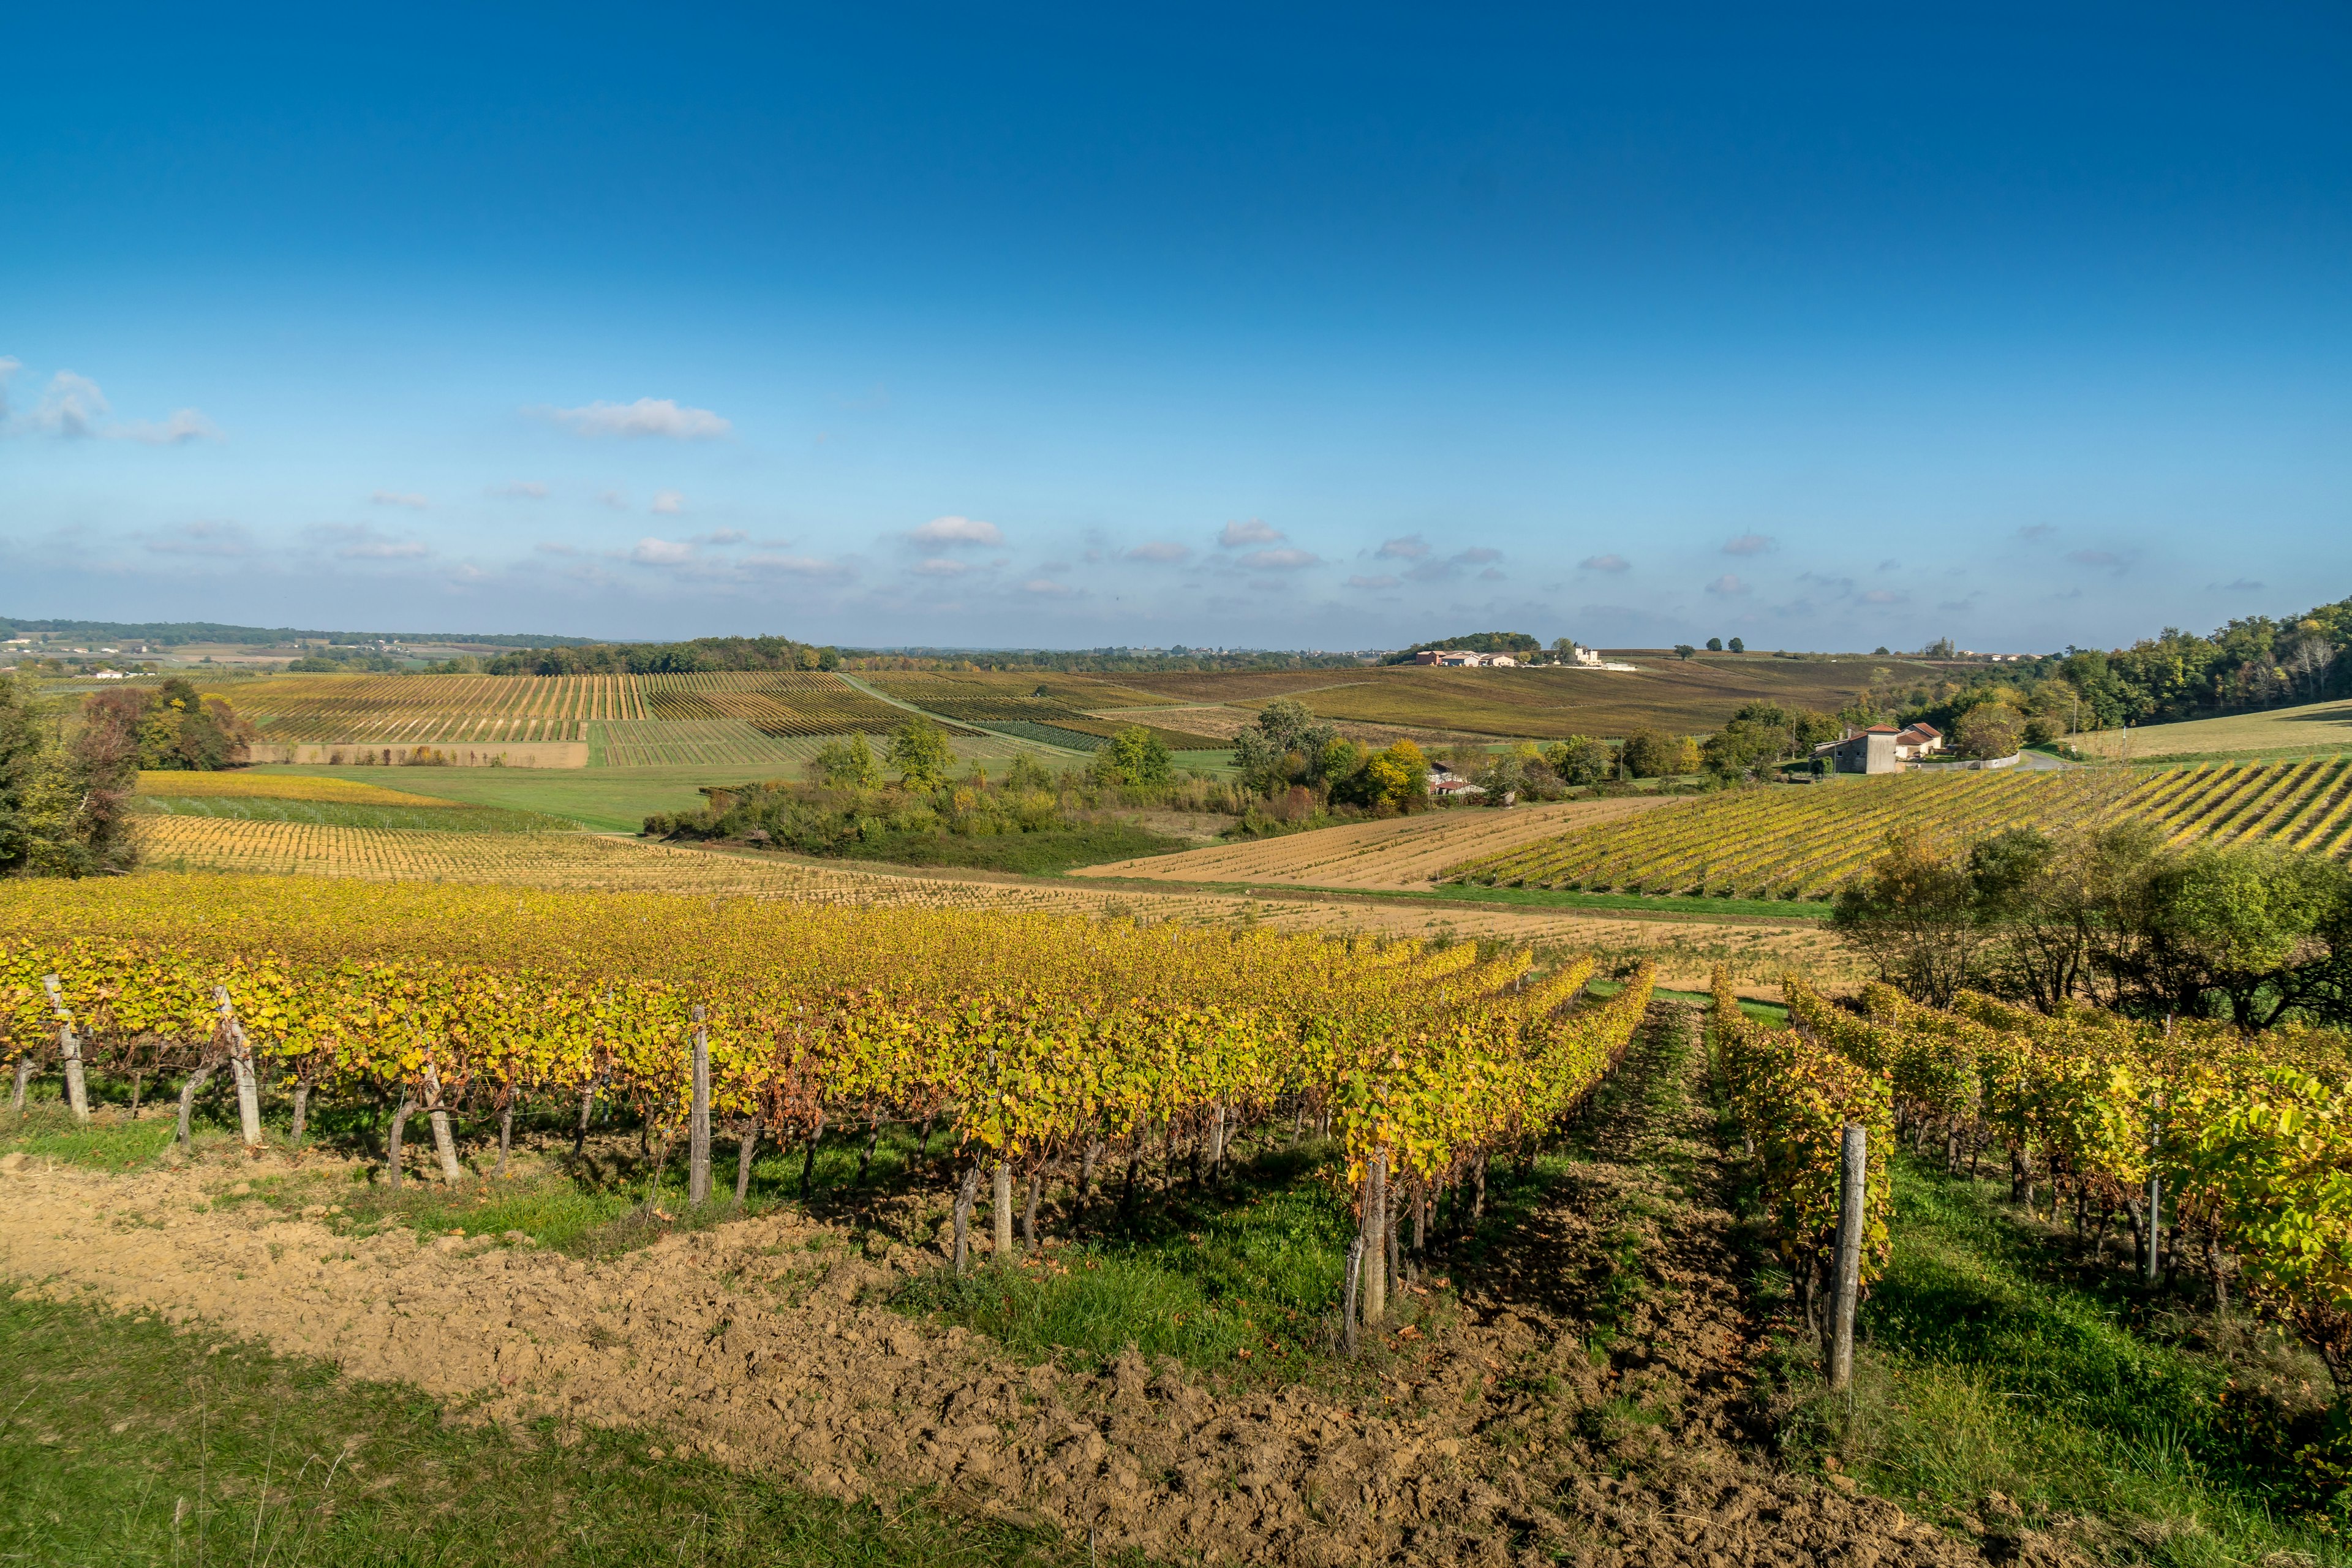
x=779, y=705
x=393, y=709
x=588, y=862
x=1030, y=705
x=1793, y=843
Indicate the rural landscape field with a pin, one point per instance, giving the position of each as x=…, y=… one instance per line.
x=1107, y=787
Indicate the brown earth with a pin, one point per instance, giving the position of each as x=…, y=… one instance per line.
x=1583, y=1403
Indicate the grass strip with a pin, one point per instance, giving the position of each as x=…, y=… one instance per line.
x=1995, y=1372
x=126, y=1442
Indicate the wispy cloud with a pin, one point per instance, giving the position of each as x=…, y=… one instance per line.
x=662, y=552
x=617, y=500
x=183, y=425
x=519, y=489
x=1726, y=586
x=722, y=536
x=1048, y=587
x=2095, y=558
x=1285, y=560
x=210, y=538
x=1749, y=544
x=1233, y=535
x=1361, y=581
x=1160, y=552
x=657, y=416
x=1604, y=564
x=394, y=498
x=669, y=503
x=73, y=408
x=792, y=566
x=952, y=530
x=940, y=566
x=2034, y=532
x=1412, y=547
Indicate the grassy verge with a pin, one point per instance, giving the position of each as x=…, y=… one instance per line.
x=1998, y=1379
x=1245, y=1274
x=342, y=814
x=126, y=1443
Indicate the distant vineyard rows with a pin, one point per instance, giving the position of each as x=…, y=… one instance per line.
x=1800, y=843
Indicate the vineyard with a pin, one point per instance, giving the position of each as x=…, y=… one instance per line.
x=403, y=710
x=2225, y=1153
x=1799, y=843
x=1033, y=1046
x=1029, y=710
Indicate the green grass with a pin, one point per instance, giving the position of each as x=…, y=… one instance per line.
x=611, y=800
x=1255, y=1266
x=124, y=1442
x=1992, y=1362
x=342, y=814
x=1040, y=854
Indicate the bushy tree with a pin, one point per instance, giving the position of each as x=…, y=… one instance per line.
x=1714, y=645
x=1647, y=754
x=1579, y=760
x=848, y=763
x=1990, y=730
x=1288, y=744
x=1738, y=646
x=919, y=751
x=65, y=798
x=1134, y=758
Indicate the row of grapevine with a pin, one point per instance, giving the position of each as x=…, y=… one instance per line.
x=420, y=708
x=1032, y=1042
x=1800, y=843
x=779, y=704
x=2230, y=1149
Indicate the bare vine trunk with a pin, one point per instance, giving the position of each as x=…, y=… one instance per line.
x=1376, y=1207
x=1000, y=1208
x=967, y=1191
x=188, y=1091
x=808, y=1160
x=745, y=1150
x=506, y=1136
x=301, y=1112
x=392, y=1143
x=444, y=1144
x=23, y=1077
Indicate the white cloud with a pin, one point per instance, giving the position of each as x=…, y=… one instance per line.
x=1726, y=586
x=1048, y=587
x=520, y=490
x=1285, y=560
x=392, y=497
x=722, y=536
x=184, y=426
x=1412, y=547
x=1159, y=551
x=959, y=530
x=1478, y=555
x=662, y=552
x=646, y=416
x=1236, y=534
x=940, y=566
x=72, y=407
x=1749, y=544
x=1362, y=582
x=556, y=547
x=795, y=565
x=1605, y=563
x=383, y=550
x=204, y=539
x=669, y=503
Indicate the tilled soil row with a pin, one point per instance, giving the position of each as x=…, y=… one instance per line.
x=1504, y=1439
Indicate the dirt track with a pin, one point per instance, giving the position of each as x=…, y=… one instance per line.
x=1507, y=1436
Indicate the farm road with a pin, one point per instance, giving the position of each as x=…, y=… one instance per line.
x=1501, y=1438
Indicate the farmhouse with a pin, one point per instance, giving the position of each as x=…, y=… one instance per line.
x=1870, y=751
x=1465, y=659
x=1919, y=743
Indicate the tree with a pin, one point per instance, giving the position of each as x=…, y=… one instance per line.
x=919, y=751
x=1563, y=650
x=1714, y=645
x=1288, y=741
x=1684, y=650
x=1647, y=754
x=65, y=801
x=1990, y=730
x=1398, y=776
x=1912, y=913
x=1738, y=646
x=1134, y=758
x=1579, y=760
x=848, y=765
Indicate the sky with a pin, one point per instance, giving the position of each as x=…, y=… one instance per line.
x=1825, y=327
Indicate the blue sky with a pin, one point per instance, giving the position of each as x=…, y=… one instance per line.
x=1826, y=327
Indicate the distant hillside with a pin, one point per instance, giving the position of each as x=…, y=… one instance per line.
x=172, y=634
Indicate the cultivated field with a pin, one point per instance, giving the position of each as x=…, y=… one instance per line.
x=1794, y=842
x=241, y=786
x=1035, y=711
x=2314, y=727
x=1406, y=852
x=1759, y=953
x=1678, y=696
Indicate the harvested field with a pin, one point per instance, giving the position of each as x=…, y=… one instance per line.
x=2314, y=727
x=1583, y=1400
x=1758, y=953
x=1406, y=852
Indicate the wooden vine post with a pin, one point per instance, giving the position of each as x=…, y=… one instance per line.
x=69, y=1047
x=698, y=1135
x=1854, y=1177
x=1375, y=1242
x=240, y=1064
x=1000, y=1206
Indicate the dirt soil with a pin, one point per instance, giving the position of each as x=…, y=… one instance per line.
x=1585, y=1404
